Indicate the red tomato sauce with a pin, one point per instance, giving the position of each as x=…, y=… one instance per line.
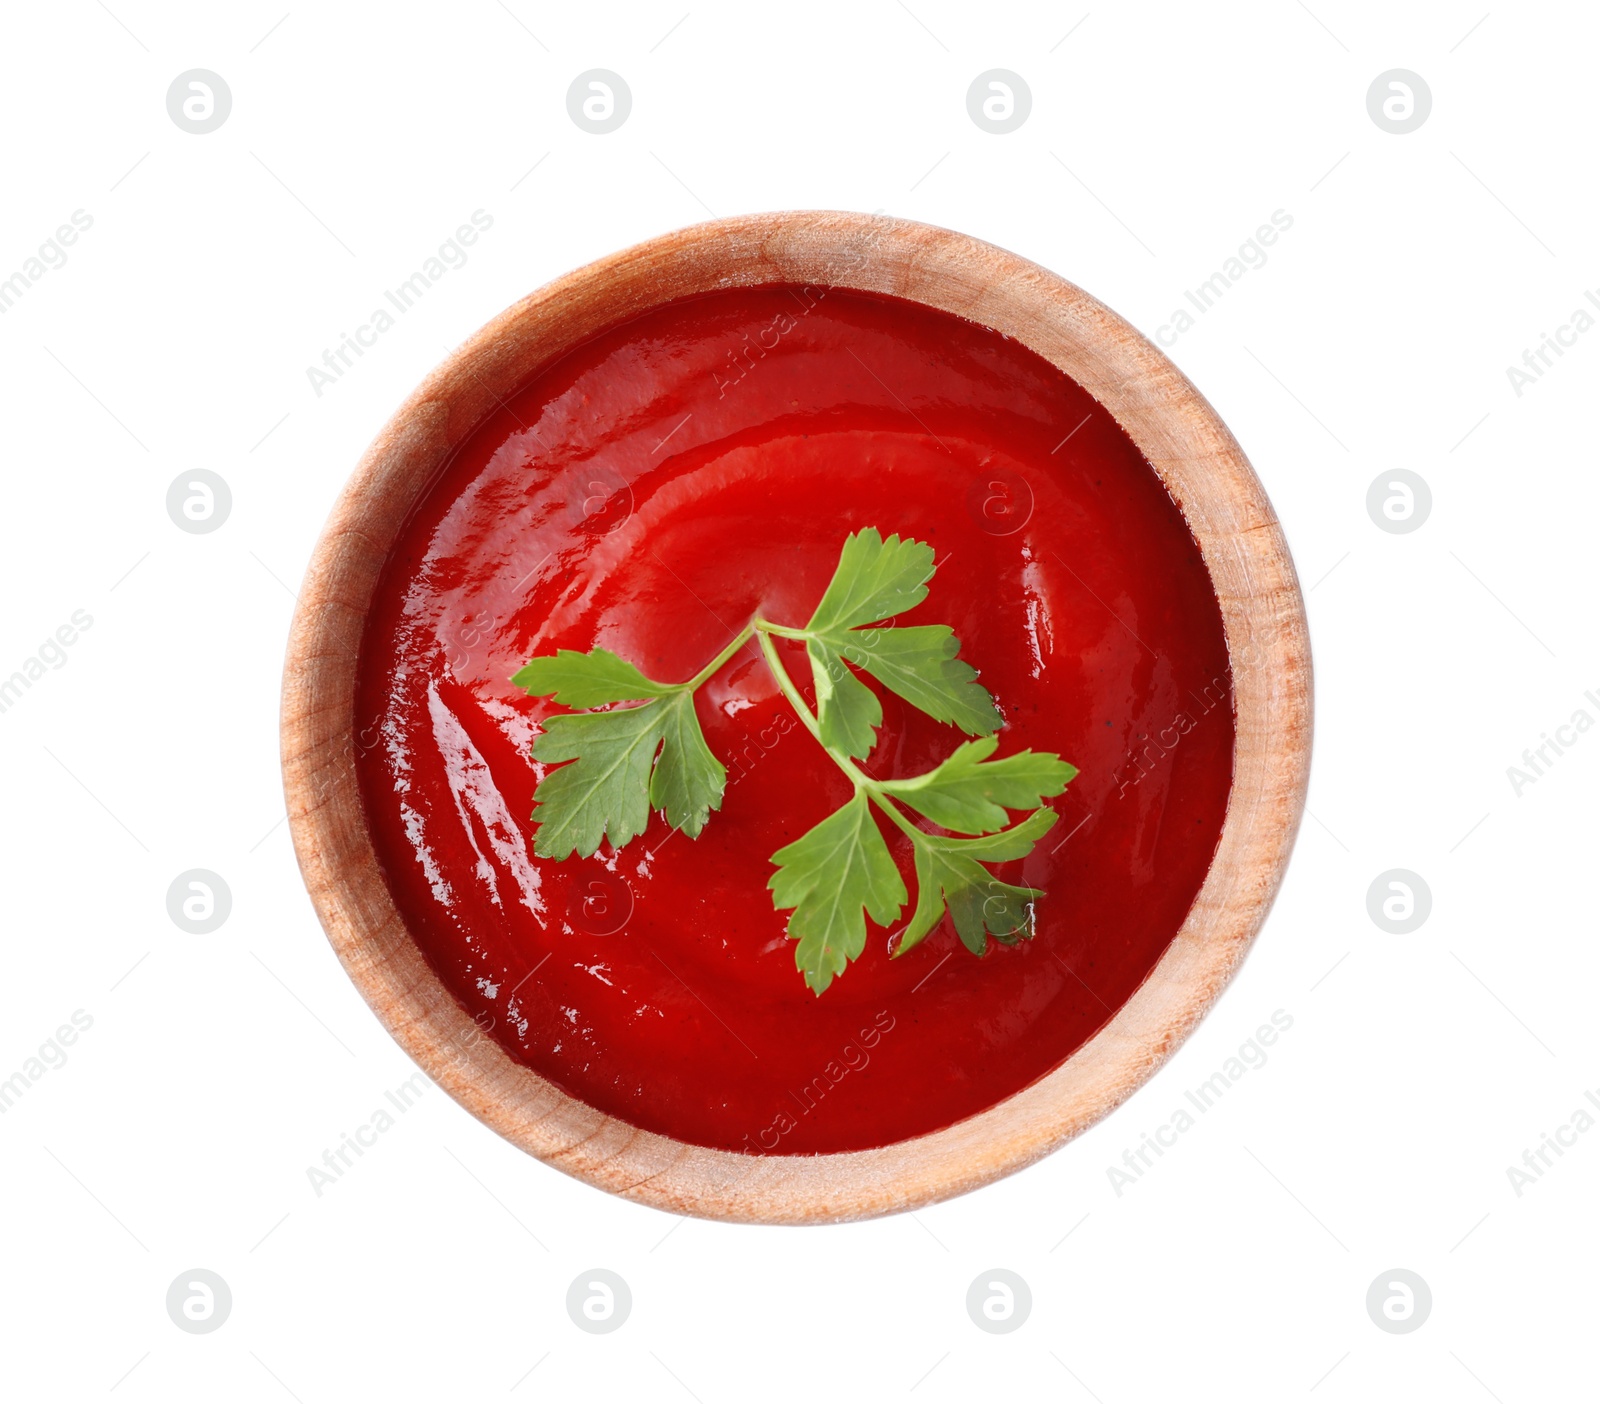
x=650, y=493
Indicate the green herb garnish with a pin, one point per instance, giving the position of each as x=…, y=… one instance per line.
x=629, y=760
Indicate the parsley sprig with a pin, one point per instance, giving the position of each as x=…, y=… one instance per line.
x=625, y=761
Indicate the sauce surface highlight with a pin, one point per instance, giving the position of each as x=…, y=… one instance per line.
x=650, y=493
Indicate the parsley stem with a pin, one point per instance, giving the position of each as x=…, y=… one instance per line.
x=786, y=685
x=859, y=778
x=755, y=626
x=705, y=673
x=781, y=630
x=905, y=826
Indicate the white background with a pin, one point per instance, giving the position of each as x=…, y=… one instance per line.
x=177, y=337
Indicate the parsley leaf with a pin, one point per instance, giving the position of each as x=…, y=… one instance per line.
x=969, y=793
x=828, y=876
x=605, y=792
x=877, y=579
x=587, y=679
x=950, y=874
x=848, y=711
x=615, y=778
x=688, y=780
x=920, y=664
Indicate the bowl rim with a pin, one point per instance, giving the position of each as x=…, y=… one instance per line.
x=1177, y=430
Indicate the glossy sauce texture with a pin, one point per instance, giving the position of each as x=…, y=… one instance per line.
x=650, y=493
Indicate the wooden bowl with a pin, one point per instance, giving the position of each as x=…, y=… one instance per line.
x=1204, y=470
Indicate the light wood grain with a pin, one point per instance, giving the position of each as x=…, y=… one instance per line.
x=1206, y=473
